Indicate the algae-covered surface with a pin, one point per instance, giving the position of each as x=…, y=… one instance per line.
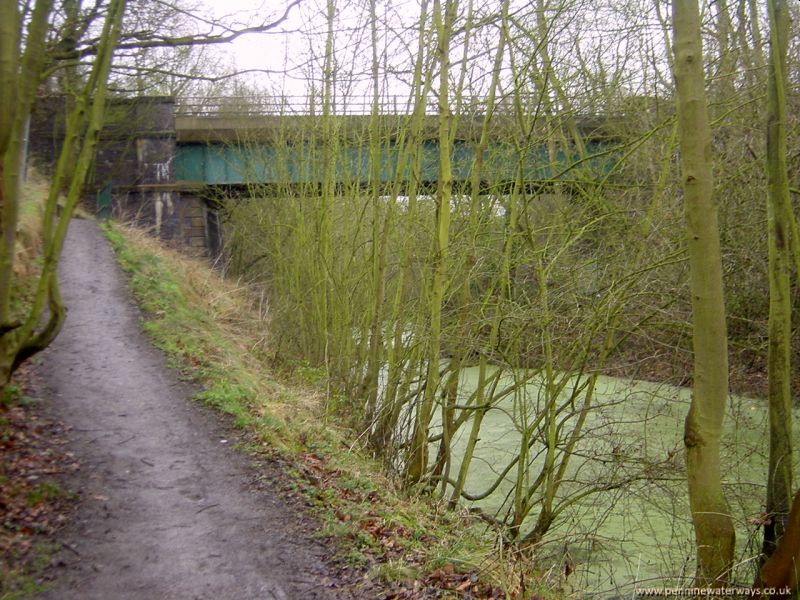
x=638, y=534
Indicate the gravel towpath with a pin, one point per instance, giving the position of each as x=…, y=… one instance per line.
x=168, y=510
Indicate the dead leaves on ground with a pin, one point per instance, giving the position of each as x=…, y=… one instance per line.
x=447, y=580
x=32, y=505
x=387, y=540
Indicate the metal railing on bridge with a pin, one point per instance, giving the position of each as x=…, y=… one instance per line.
x=310, y=105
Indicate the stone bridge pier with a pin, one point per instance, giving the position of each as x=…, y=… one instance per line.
x=134, y=170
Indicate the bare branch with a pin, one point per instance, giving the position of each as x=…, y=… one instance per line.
x=140, y=40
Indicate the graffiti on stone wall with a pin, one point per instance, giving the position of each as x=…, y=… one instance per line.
x=155, y=158
x=163, y=171
x=162, y=200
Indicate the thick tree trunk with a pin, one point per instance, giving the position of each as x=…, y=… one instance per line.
x=20, y=74
x=715, y=535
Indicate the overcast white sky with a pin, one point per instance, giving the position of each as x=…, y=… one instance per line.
x=269, y=51
x=285, y=49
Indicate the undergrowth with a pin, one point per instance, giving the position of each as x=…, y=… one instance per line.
x=33, y=504
x=215, y=333
x=30, y=502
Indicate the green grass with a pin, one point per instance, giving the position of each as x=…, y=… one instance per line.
x=16, y=584
x=44, y=492
x=11, y=395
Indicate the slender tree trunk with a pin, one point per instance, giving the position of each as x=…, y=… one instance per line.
x=379, y=237
x=31, y=336
x=442, y=466
x=418, y=459
x=779, y=477
x=550, y=78
x=723, y=90
x=408, y=157
x=328, y=189
x=19, y=78
x=475, y=191
x=715, y=535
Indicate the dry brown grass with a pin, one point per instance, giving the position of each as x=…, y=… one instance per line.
x=28, y=243
x=238, y=311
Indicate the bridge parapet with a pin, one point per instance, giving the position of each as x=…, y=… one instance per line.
x=244, y=119
x=302, y=105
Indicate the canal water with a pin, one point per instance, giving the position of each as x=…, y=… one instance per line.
x=640, y=534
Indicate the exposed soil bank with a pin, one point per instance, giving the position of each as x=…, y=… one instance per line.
x=168, y=510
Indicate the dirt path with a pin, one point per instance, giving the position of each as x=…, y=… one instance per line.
x=168, y=510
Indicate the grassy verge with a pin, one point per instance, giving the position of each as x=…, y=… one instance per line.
x=215, y=333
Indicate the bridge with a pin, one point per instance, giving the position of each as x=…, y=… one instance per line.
x=160, y=161
x=276, y=141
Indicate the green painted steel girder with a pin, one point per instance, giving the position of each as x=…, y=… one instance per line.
x=230, y=164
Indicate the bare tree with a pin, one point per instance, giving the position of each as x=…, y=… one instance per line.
x=76, y=44
x=21, y=332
